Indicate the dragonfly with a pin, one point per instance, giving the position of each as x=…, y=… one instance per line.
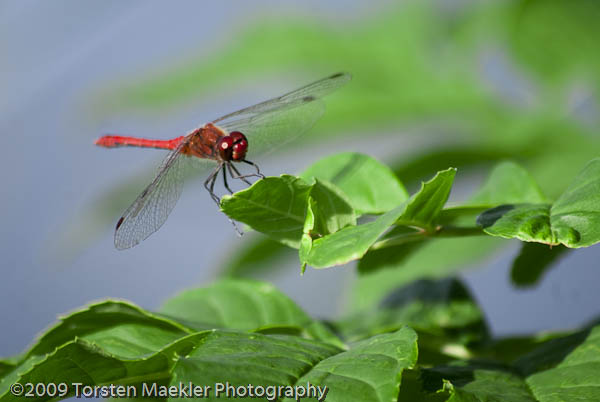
x=229, y=139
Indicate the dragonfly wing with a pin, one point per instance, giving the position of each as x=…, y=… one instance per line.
x=274, y=122
x=152, y=207
x=298, y=97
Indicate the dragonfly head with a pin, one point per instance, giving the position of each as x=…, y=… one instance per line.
x=233, y=146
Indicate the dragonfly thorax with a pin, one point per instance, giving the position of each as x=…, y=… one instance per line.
x=233, y=146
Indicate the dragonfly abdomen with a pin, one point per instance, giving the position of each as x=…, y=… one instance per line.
x=115, y=141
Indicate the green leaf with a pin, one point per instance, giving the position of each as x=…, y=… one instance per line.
x=307, y=236
x=348, y=244
x=6, y=367
x=243, y=305
x=370, y=371
x=507, y=350
x=527, y=222
x=412, y=389
x=480, y=382
x=573, y=220
x=561, y=369
x=551, y=352
x=465, y=157
x=508, y=183
x=88, y=362
x=443, y=308
x=424, y=207
x=101, y=316
x=575, y=216
x=566, y=369
x=533, y=260
x=352, y=243
x=330, y=208
x=275, y=206
x=235, y=304
x=242, y=359
x=370, y=186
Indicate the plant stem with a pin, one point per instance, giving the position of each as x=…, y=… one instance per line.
x=421, y=234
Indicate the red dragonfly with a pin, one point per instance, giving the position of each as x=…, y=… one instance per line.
x=222, y=141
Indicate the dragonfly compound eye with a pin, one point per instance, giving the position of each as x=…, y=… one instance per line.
x=240, y=145
x=225, y=146
x=236, y=135
x=239, y=149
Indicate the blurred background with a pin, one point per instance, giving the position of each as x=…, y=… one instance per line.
x=436, y=84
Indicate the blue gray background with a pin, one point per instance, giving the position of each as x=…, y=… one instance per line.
x=57, y=55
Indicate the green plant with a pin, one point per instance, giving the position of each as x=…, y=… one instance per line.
x=410, y=332
x=423, y=341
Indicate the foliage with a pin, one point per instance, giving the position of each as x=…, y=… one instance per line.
x=493, y=88
x=511, y=205
x=246, y=332
x=431, y=332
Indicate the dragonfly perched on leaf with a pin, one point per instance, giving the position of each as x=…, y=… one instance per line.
x=221, y=142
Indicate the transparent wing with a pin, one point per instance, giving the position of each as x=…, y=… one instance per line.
x=279, y=120
x=152, y=207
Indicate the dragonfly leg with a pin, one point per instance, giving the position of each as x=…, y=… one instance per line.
x=237, y=230
x=258, y=173
x=225, y=180
x=237, y=174
x=209, y=184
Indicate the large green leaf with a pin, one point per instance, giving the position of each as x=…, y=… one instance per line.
x=573, y=220
x=275, y=206
x=243, y=305
x=235, y=304
x=241, y=359
x=370, y=186
x=103, y=315
x=370, y=371
x=121, y=355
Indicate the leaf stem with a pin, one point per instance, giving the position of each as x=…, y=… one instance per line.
x=421, y=234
